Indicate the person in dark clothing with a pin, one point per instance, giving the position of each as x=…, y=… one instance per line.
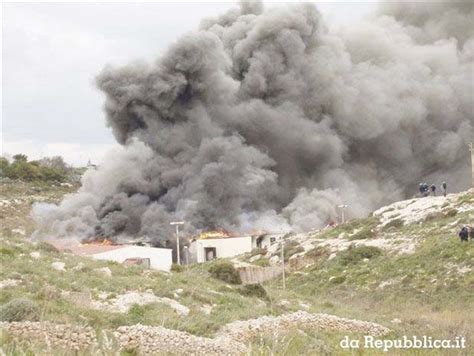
x=444, y=188
x=433, y=189
x=426, y=189
x=464, y=234
x=420, y=188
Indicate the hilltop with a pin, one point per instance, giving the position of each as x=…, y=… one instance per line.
x=400, y=271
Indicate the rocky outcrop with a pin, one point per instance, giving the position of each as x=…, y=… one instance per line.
x=156, y=339
x=230, y=340
x=70, y=337
x=245, y=330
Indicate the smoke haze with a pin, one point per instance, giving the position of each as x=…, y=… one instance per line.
x=266, y=119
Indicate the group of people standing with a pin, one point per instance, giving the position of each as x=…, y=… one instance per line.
x=427, y=189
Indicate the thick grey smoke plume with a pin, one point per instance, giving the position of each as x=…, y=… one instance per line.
x=268, y=119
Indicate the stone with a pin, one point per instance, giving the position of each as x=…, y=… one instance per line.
x=206, y=309
x=35, y=255
x=254, y=258
x=79, y=267
x=59, y=266
x=274, y=260
x=7, y=283
x=19, y=231
x=106, y=271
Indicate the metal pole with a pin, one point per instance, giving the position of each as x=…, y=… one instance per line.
x=283, y=263
x=178, y=257
x=177, y=223
x=471, y=148
x=343, y=216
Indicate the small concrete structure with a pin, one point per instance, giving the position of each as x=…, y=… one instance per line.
x=156, y=258
x=266, y=240
x=160, y=258
x=202, y=250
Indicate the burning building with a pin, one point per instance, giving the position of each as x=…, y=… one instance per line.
x=271, y=118
x=152, y=257
x=221, y=244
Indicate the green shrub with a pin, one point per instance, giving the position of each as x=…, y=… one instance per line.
x=291, y=248
x=434, y=216
x=450, y=213
x=46, y=247
x=363, y=234
x=225, y=271
x=258, y=251
x=176, y=268
x=397, y=223
x=136, y=313
x=254, y=290
x=338, y=280
x=48, y=169
x=262, y=262
x=19, y=309
x=317, y=252
x=355, y=254
x=5, y=251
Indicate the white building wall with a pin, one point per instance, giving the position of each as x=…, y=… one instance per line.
x=225, y=247
x=267, y=240
x=160, y=258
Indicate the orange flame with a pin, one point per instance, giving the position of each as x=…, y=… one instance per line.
x=214, y=234
x=258, y=232
x=104, y=242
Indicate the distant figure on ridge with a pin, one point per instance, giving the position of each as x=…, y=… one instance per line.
x=444, y=188
x=464, y=234
x=433, y=189
x=424, y=189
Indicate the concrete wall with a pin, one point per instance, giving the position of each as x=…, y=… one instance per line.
x=255, y=274
x=160, y=258
x=225, y=247
x=267, y=240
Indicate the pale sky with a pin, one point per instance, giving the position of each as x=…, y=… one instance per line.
x=51, y=53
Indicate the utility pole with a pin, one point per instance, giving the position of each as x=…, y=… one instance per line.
x=283, y=262
x=471, y=148
x=177, y=223
x=186, y=254
x=343, y=207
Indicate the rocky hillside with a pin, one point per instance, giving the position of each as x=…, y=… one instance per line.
x=397, y=229
x=401, y=271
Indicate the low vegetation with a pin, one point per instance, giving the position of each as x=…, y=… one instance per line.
x=291, y=248
x=357, y=229
x=19, y=309
x=47, y=169
x=396, y=224
x=225, y=271
x=254, y=290
x=424, y=292
x=356, y=254
x=177, y=268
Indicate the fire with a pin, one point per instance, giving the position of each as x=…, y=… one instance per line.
x=104, y=242
x=214, y=234
x=258, y=232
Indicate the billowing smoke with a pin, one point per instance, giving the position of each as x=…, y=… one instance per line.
x=269, y=119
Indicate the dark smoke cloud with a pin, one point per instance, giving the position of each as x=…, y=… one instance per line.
x=268, y=119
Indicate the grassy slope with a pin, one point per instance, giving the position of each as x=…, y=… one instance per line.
x=426, y=294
